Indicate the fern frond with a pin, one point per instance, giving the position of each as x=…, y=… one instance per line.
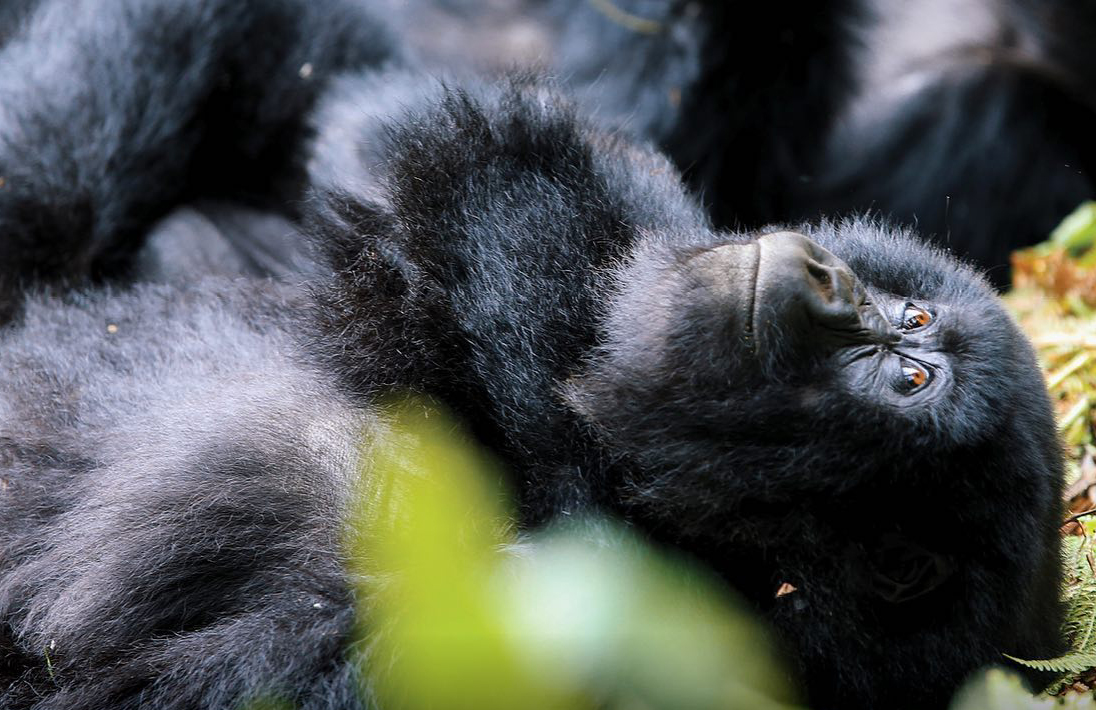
x=1069, y=663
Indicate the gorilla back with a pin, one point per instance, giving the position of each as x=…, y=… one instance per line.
x=176, y=459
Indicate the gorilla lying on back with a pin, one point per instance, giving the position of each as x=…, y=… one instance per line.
x=838, y=407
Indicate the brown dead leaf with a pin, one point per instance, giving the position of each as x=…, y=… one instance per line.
x=785, y=589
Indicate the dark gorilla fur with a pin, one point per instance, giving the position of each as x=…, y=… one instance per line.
x=176, y=457
x=969, y=119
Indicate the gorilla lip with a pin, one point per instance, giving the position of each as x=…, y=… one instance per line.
x=751, y=318
x=730, y=272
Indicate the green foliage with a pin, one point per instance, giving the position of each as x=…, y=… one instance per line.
x=594, y=607
x=1080, y=589
x=1080, y=598
x=456, y=613
x=1074, y=662
x=1079, y=595
x=1055, y=302
x=429, y=536
x=1077, y=232
x=269, y=702
x=996, y=689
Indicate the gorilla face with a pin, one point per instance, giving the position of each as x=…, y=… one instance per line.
x=828, y=407
x=827, y=363
x=809, y=305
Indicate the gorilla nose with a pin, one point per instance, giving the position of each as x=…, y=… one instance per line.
x=830, y=289
x=805, y=291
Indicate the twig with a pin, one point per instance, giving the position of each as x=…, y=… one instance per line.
x=1075, y=412
x=1079, y=360
x=1076, y=517
x=1073, y=340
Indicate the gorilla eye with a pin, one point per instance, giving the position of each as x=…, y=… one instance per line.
x=914, y=377
x=914, y=317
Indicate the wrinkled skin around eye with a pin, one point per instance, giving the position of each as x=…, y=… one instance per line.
x=801, y=309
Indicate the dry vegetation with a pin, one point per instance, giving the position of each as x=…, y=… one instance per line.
x=1054, y=299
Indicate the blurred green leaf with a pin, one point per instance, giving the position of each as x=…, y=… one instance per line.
x=456, y=614
x=997, y=689
x=592, y=603
x=269, y=702
x=1077, y=232
x=430, y=532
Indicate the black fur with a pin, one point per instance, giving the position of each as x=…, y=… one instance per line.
x=176, y=458
x=110, y=118
x=969, y=119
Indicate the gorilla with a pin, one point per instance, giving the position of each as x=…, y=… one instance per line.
x=183, y=400
x=969, y=119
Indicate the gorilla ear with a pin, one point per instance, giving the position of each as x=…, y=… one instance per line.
x=902, y=570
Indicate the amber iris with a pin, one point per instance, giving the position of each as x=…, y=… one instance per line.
x=915, y=317
x=914, y=376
